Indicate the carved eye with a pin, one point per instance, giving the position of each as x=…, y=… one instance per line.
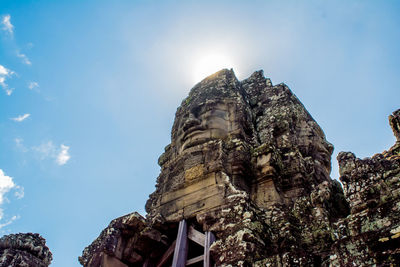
x=196, y=111
x=219, y=113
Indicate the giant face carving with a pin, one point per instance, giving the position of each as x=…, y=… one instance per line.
x=257, y=136
x=208, y=152
x=211, y=120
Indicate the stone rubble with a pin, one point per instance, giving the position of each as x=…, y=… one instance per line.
x=28, y=250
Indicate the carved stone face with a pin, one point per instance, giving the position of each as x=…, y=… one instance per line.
x=325, y=150
x=212, y=120
x=319, y=149
x=209, y=151
x=250, y=135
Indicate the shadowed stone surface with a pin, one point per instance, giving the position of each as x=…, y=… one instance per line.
x=125, y=242
x=249, y=163
x=28, y=250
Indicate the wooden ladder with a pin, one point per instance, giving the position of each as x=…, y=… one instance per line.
x=179, y=248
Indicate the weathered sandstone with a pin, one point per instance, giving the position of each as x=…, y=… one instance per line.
x=28, y=250
x=250, y=164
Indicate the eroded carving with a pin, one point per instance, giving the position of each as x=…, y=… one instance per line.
x=258, y=135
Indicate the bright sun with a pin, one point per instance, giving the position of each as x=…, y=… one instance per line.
x=209, y=64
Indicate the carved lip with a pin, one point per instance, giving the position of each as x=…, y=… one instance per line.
x=193, y=131
x=192, y=143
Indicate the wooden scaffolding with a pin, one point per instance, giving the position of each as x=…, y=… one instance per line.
x=179, y=248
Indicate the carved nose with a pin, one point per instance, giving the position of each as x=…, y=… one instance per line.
x=190, y=122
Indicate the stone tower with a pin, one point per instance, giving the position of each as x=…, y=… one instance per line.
x=248, y=163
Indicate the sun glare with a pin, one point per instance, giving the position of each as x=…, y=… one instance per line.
x=209, y=64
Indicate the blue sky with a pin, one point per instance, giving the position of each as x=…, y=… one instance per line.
x=88, y=92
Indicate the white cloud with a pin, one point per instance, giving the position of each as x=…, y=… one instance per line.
x=9, y=91
x=6, y=22
x=18, y=141
x=20, y=145
x=24, y=58
x=13, y=218
x=4, y=73
x=21, y=117
x=45, y=150
x=32, y=85
x=63, y=156
x=6, y=184
x=49, y=150
x=19, y=192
